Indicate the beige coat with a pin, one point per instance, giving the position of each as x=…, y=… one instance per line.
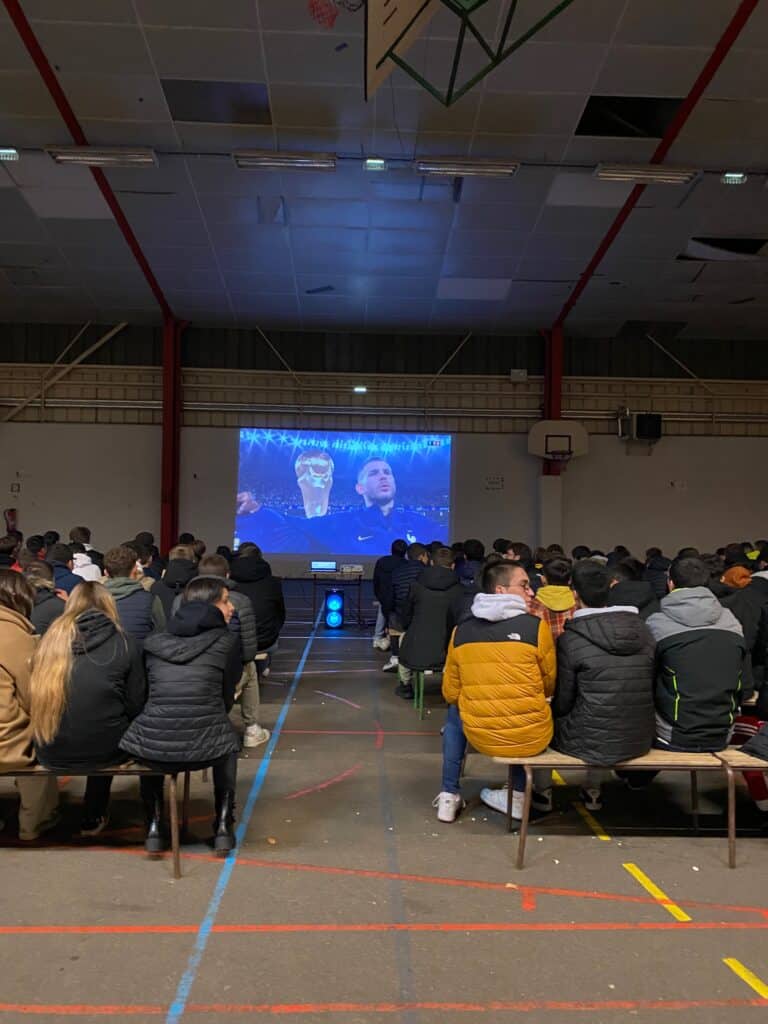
x=17, y=644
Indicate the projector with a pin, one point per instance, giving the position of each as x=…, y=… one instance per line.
x=350, y=569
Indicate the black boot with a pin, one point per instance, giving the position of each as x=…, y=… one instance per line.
x=223, y=826
x=153, y=812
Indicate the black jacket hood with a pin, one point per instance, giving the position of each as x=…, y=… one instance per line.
x=438, y=577
x=179, y=572
x=93, y=629
x=615, y=632
x=250, y=569
x=194, y=628
x=658, y=563
x=634, y=592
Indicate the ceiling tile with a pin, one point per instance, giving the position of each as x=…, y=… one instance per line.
x=18, y=222
x=300, y=58
x=117, y=11
x=193, y=53
x=129, y=98
x=67, y=202
x=529, y=114
x=570, y=68
x=658, y=23
x=22, y=94
x=85, y=49
x=240, y=14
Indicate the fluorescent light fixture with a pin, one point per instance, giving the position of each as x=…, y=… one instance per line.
x=376, y=163
x=734, y=178
x=8, y=153
x=360, y=389
x=94, y=156
x=647, y=174
x=270, y=161
x=456, y=167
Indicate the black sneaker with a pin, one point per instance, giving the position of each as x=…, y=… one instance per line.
x=406, y=692
x=93, y=826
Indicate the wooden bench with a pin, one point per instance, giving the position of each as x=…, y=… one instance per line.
x=733, y=759
x=654, y=760
x=138, y=770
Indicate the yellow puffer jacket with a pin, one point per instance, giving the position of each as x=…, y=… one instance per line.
x=500, y=669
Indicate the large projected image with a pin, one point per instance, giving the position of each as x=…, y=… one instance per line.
x=327, y=492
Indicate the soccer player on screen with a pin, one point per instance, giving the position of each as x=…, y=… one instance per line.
x=370, y=529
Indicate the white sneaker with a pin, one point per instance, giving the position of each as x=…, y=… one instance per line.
x=392, y=664
x=381, y=643
x=448, y=806
x=255, y=735
x=497, y=799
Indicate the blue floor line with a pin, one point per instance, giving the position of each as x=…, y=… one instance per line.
x=179, y=1004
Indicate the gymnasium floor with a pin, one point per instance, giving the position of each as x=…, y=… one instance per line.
x=348, y=901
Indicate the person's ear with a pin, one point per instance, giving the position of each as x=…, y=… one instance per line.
x=359, y=488
x=670, y=586
x=613, y=584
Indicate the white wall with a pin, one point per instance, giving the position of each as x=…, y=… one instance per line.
x=103, y=476
x=691, y=490
x=699, y=491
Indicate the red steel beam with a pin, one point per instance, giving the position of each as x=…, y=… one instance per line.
x=171, y=442
x=718, y=55
x=41, y=62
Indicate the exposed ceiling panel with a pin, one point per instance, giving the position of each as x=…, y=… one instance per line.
x=354, y=250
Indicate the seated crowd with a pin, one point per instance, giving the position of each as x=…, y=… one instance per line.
x=120, y=657
x=124, y=656
x=601, y=657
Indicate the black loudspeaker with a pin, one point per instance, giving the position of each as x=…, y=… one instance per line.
x=648, y=426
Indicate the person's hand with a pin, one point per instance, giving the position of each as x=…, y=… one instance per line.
x=62, y=594
x=247, y=503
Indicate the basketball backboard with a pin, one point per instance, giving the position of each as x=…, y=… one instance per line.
x=391, y=25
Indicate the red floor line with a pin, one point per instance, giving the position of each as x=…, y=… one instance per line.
x=389, y=926
x=527, y=899
x=467, y=883
x=380, y=734
x=526, y=1006
x=539, y=890
x=328, y=782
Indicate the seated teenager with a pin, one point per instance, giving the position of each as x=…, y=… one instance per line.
x=603, y=705
x=38, y=810
x=629, y=587
x=87, y=684
x=499, y=671
x=700, y=654
x=182, y=567
x=554, y=601
x=431, y=610
x=49, y=602
x=59, y=557
x=254, y=578
x=243, y=626
x=192, y=671
x=140, y=612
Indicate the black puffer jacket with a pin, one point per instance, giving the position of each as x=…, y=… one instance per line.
x=656, y=573
x=192, y=672
x=403, y=576
x=242, y=623
x=48, y=607
x=431, y=610
x=178, y=574
x=106, y=691
x=637, y=593
x=382, y=581
x=603, y=704
x=254, y=579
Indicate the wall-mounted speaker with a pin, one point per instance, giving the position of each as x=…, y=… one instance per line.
x=648, y=426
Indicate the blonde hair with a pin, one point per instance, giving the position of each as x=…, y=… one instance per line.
x=52, y=661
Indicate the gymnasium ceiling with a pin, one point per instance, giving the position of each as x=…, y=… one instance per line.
x=358, y=250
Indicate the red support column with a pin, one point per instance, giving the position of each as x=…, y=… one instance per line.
x=553, y=388
x=172, y=407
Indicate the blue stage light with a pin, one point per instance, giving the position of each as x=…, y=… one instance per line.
x=334, y=609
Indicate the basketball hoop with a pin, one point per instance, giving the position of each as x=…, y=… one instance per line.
x=325, y=12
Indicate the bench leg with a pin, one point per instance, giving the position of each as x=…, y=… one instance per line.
x=185, y=805
x=205, y=774
x=173, y=798
x=526, y=812
x=419, y=689
x=695, y=801
x=731, y=816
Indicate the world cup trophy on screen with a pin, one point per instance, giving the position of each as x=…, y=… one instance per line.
x=314, y=475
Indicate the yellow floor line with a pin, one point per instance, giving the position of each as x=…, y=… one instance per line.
x=558, y=779
x=747, y=976
x=592, y=821
x=656, y=892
